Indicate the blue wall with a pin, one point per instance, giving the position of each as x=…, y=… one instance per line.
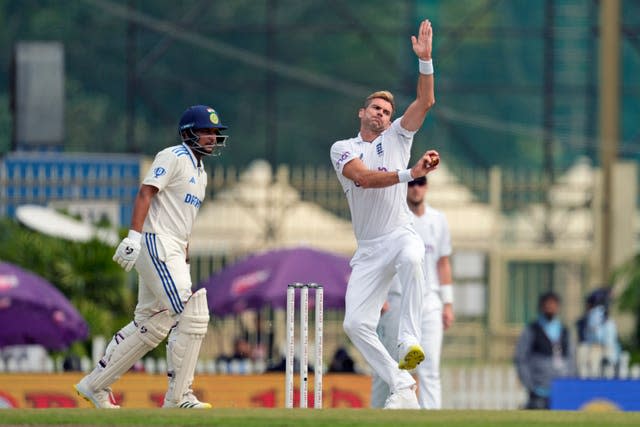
x=39, y=178
x=575, y=394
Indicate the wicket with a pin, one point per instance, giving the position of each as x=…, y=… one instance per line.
x=304, y=343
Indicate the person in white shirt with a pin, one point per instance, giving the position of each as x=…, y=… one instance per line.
x=157, y=245
x=437, y=314
x=369, y=167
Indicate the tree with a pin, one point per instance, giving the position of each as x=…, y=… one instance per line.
x=83, y=272
x=629, y=273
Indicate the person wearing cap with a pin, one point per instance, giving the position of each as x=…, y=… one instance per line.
x=437, y=314
x=372, y=170
x=164, y=212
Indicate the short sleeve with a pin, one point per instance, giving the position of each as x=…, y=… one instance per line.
x=162, y=169
x=397, y=128
x=341, y=154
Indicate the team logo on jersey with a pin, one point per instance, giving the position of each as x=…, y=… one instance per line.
x=159, y=171
x=190, y=199
x=192, y=180
x=344, y=156
x=379, y=149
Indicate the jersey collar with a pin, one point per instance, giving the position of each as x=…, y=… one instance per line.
x=194, y=160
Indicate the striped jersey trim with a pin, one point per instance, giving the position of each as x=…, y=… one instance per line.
x=163, y=272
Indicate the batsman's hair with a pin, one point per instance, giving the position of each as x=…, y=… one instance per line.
x=381, y=94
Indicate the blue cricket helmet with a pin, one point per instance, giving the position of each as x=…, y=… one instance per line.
x=200, y=117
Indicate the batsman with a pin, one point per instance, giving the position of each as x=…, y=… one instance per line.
x=164, y=211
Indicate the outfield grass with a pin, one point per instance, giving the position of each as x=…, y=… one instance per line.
x=311, y=417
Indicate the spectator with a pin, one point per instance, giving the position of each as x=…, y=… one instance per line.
x=241, y=351
x=71, y=363
x=544, y=352
x=597, y=328
x=341, y=362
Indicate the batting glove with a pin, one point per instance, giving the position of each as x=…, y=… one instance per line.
x=128, y=250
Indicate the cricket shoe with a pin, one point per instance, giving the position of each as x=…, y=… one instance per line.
x=413, y=355
x=405, y=398
x=102, y=399
x=189, y=401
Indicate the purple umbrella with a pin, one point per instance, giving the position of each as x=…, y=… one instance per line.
x=261, y=280
x=33, y=311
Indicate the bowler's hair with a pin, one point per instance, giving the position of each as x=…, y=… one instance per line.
x=382, y=94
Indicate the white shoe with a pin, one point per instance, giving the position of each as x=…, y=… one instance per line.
x=405, y=398
x=100, y=399
x=412, y=355
x=189, y=401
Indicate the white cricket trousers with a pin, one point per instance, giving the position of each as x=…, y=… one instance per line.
x=428, y=372
x=373, y=266
x=164, y=277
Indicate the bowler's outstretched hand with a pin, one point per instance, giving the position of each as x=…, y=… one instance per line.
x=422, y=44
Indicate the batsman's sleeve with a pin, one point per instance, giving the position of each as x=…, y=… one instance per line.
x=341, y=154
x=162, y=169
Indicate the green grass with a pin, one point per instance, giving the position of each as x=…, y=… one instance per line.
x=311, y=417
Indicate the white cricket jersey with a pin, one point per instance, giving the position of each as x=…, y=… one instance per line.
x=434, y=231
x=181, y=187
x=376, y=211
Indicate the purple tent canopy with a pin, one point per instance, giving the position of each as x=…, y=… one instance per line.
x=33, y=311
x=261, y=280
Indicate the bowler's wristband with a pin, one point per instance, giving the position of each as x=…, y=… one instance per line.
x=405, y=175
x=425, y=67
x=446, y=293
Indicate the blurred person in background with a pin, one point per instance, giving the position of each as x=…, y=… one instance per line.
x=597, y=328
x=369, y=168
x=342, y=362
x=437, y=314
x=157, y=245
x=242, y=350
x=544, y=351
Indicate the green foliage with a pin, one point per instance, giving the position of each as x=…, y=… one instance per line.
x=629, y=274
x=489, y=65
x=83, y=272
